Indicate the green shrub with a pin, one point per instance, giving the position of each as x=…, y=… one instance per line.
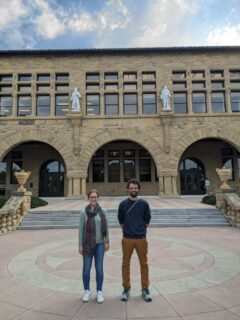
x=35, y=201
x=211, y=200
x=3, y=200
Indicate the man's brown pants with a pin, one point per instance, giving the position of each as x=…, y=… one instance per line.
x=141, y=247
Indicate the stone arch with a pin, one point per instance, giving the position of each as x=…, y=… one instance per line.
x=32, y=135
x=133, y=135
x=205, y=133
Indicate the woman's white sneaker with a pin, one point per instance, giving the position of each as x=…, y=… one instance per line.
x=86, y=296
x=100, y=298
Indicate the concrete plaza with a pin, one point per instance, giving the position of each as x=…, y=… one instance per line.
x=194, y=273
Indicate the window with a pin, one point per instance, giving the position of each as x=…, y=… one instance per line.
x=62, y=87
x=130, y=86
x=6, y=105
x=43, y=88
x=25, y=77
x=234, y=73
x=216, y=73
x=61, y=105
x=111, y=104
x=129, y=76
x=179, y=85
x=180, y=102
x=15, y=167
x=24, y=105
x=5, y=88
x=149, y=75
x=179, y=74
x=199, y=102
x=93, y=86
x=198, y=84
x=5, y=78
x=111, y=86
x=62, y=76
x=235, y=84
x=149, y=103
x=98, y=170
x=197, y=74
x=238, y=162
x=93, y=104
x=3, y=170
x=149, y=86
x=24, y=88
x=114, y=170
x=130, y=103
x=145, y=170
x=111, y=76
x=92, y=76
x=129, y=169
x=218, y=102
x=43, y=105
x=217, y=84
x=113, y=153
x=235, y=101
x=43, y=77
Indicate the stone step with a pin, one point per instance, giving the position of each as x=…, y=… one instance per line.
x=162, y=217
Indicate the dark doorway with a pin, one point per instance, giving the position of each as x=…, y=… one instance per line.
x=51, y=179
x=192, y=175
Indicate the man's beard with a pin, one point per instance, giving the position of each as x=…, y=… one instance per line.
x=134, y=194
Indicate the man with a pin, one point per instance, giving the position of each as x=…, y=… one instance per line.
x=134, y=216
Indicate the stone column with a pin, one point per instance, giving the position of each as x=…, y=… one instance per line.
x=166, y=123
x=189, y=101
x=228, y=101
x=209, y=101
x=168, y=185
x=14, y=107
x=102, y=104
x=76, y=186
x=120, y=102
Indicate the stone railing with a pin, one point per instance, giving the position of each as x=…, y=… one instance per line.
x=12, y=213
x=229, y=204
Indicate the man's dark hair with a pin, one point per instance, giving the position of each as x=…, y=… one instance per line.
x=134, y=181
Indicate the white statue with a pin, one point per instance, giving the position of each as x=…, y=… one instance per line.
x=75, y=100
x=165, y=96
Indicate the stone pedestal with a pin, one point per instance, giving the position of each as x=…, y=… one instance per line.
x=168, y=186
x=76, y=186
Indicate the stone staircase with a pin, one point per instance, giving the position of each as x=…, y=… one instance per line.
x=182, y=217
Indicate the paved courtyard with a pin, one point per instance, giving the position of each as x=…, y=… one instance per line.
x=195, y=275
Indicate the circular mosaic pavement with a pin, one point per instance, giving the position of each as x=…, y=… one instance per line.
x=176, y=266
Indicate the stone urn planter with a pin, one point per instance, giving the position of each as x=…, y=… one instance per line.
x=22, y=177
x=224, y=174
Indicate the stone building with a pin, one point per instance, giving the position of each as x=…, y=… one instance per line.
x=122, y=129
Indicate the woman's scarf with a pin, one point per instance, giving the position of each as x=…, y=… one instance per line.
x=89, y=242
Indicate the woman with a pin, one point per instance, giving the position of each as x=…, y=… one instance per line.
x=93, y=242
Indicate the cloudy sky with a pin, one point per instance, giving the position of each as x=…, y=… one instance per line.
x=50, y=24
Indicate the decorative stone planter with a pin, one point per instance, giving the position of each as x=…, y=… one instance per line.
x=22, y=177
x=224, y=174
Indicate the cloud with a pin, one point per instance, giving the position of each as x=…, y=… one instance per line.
x=48, y=22
x=228, y=35
x=164, y=21
x=113, y=15
x=11, y=11
x=82, y=23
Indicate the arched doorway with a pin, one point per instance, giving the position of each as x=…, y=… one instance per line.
x=51, y=179
x=201, y=159
x=192, y=177
x=30, y=156
x=114, y=163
